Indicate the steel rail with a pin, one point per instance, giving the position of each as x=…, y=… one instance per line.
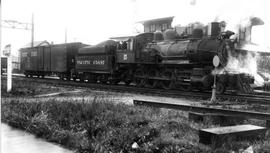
x=252, y=99
x=208, y=110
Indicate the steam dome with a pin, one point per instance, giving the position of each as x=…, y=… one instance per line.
x=170, y=34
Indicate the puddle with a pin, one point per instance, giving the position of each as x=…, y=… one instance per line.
x=17, y=141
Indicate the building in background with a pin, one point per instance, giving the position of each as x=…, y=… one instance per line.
x=15, y=64
x=16, y=59
x=160, y=24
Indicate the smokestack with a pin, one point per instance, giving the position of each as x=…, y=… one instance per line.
x=213, y=29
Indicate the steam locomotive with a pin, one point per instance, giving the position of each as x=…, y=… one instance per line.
x=153, y=60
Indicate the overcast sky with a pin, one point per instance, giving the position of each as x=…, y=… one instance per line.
x=92, y=21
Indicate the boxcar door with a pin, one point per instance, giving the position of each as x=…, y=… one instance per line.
x=33, y=59
x=40, y=59
x=47, y=59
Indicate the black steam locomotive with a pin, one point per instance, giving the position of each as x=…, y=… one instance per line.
x=153, y=60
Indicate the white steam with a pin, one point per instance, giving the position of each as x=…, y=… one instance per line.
x=256, y=48
x=245, y=64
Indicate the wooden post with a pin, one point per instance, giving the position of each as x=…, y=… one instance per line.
x=216, y=63
x=213, y=97
x=9, y=73
x=7, y=53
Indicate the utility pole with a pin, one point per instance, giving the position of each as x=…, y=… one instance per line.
x=32, y=31
x=13, y=24
x=66, y=35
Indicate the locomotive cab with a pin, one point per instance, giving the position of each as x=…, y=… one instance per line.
x=129, y=49
x=125, y=50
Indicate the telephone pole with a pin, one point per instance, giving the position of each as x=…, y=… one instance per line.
x=32, y=31
x=66, y=35
x=13, y=24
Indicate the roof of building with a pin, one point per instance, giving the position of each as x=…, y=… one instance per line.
x=123, y=38
x=156, y=20
x=37, y=43
x=13, y=57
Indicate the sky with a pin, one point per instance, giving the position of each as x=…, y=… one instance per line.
x=93, y=21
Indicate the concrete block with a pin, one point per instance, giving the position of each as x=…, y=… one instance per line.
x=218, y=136
x=226, y=120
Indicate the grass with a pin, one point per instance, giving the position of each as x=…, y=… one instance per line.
x=102, y=126
x=99, y=124
x=27, y=88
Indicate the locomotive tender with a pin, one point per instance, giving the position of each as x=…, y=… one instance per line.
x=152, y=60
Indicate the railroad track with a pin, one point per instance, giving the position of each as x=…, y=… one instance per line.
x=206, y=110
x=244, y=98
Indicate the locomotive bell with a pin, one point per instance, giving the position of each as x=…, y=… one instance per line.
x=158, y=36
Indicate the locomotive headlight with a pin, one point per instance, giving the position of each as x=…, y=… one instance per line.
x=216, y=61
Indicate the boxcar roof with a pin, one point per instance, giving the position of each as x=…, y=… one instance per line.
x=37, y=44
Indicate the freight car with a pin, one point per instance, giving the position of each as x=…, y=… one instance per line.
x=58, y=59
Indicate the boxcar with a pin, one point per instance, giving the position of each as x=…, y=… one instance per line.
x=58, y=59
x=63, y=58
x=32, y=60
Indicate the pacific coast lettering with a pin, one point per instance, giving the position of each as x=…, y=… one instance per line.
x=95, y=62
